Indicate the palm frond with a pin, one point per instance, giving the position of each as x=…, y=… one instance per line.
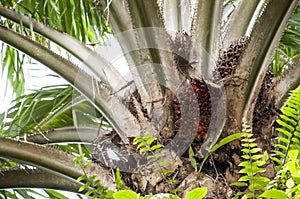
x=79, y=19
x=12, y=65
x=97, y=92
x=94, y=61
x=35, y=178
x=55, y=161
x=291, y=34
x=237, y=26
x=268, y=29
x=206, y=30
x=288, y=50
x=32, y=109
x=147, y=51
x=177, y=15
x=68, y=135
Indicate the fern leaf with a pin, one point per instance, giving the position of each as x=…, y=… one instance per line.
x=252, y=165
x=246, y=157
x=296, y=140
x=279, y=153
x=255, y=187
x=293, y=104
x=287, y=144
x=287, y=119
x=259, y=163
x=255, y=150
x=297, y=133
x=289, y=122
x=284, y=132
x=282, y=147
x=247, y=195
x=248, y=140
x=290, y=111
x=282, y=123
x=250, y=145
x=275, y=159
x=257, y=157
x=284, y=140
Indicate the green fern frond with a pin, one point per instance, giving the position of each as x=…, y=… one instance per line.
x=289, y=131
x=251, y=166
x=287, y=152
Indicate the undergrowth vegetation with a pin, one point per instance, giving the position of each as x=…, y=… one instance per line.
x=251, y=166
x=252, y=183
x=286, y=156
x=93, y=189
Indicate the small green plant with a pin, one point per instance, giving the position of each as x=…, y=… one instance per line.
x=251, y=166
x=119, y=182
x=286, y=184
x=287, y=181
x=192, y=159
x=93, y=189
x=287, y=156
x=291, y=169
x=125, y=194
x=213, y=147
x=145, y=145
x=91, y=185
x=221, y=143
x=196, y=193
x=289, y=132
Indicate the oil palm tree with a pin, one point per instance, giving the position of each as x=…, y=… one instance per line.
x=189, y=61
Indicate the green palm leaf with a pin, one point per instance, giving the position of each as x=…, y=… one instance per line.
x=79, y=19
x=32, y=109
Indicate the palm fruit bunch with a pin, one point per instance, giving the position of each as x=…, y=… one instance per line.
x=203, y=97
x=181, y=46
x=229, y=59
